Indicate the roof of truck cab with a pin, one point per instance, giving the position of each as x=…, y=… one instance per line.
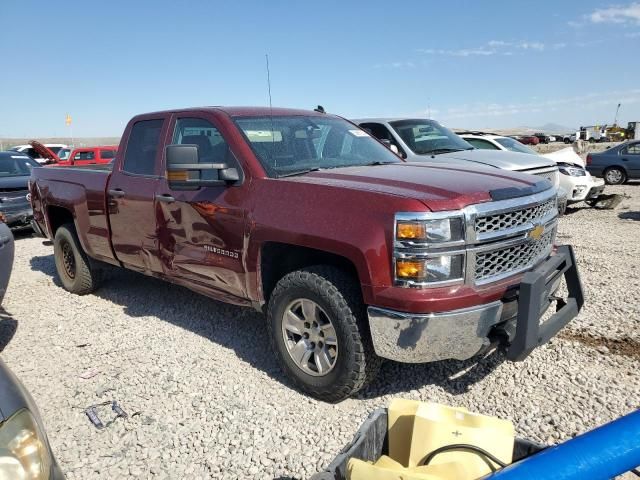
x=246, y=111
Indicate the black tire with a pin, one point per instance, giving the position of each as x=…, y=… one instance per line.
x=73, y=266
x=339, y=296
x=611, y=171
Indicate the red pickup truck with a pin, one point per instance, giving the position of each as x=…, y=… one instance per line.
x=99, y=155
x=353, y=254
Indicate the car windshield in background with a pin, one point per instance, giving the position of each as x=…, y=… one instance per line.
x=64, y=153
x=514, y=145
x=428, y=137
x=290, y=145
x=16, y=166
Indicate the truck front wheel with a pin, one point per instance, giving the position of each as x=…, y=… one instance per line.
x=72, y=264
x=316, y=321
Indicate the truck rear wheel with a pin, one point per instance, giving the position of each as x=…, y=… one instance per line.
x=317, y=326
x=72, y=264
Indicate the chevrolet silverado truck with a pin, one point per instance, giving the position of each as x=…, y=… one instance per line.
x=354, y=255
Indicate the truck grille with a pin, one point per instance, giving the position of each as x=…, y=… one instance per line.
x=516, y=218
x=510, y=260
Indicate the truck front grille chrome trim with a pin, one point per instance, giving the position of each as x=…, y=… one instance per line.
x=515, y=218
x=505, y=261
x=502, y=239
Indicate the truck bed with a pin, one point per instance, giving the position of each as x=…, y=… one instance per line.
x=81, y=190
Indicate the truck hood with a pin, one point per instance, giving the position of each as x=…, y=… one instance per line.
x=500, y=159
x=438, y=186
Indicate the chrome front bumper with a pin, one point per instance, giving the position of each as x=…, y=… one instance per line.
x=414, y=338
x=462, y=334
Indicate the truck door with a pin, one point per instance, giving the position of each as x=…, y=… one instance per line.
x=201, y=231
x=131, y=196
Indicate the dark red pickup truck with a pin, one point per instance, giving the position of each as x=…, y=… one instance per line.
x=353, y=254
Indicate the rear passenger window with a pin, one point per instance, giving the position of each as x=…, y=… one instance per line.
x=142, y=147
x=212, y=147
x=633, y=149
x=107, y=154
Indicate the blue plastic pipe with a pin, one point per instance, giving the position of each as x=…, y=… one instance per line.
x=602, y=453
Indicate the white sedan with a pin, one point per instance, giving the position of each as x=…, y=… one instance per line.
x=574, y=179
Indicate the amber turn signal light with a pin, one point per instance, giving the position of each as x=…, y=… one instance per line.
x=411, y=231
x=407, y=269
x=177, y=176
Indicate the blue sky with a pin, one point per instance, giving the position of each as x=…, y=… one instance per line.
x=472, y=64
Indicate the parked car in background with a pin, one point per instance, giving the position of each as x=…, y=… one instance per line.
x=528, y=139
x=578, y=184
x=15, y=170
x=35, y=153
x=616, y=164
x=421, y=140
x=99, y=155
x=6, y=256
x=543, y=137
x=490, y=141
x=353, y=254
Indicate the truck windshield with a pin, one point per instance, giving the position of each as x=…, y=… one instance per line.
x=426, y=137
x=288, y=145
x=16, y=166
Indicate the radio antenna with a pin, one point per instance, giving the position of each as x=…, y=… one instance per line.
x=266, y=56
x=273, y=133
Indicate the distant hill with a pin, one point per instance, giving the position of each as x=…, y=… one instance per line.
x=554, y=128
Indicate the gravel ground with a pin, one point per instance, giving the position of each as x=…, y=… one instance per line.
x=207, y=400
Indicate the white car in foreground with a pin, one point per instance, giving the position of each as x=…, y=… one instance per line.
x=574, y=179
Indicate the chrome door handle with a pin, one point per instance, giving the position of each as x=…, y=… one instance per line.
x=116, y=192
x=165, y=198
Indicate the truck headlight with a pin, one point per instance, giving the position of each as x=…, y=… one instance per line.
x=434, y=269
x=437, y=230
x=23, y=449
x=572, y=171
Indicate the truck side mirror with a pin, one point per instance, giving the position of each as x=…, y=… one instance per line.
x=185, y=172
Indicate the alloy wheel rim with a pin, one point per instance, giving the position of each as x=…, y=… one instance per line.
x=310, y=337
x=68, y=260
x=614, y=176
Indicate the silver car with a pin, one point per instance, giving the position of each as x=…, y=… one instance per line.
x=422, y=140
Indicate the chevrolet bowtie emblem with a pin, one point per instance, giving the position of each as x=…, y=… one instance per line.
x=536, y=233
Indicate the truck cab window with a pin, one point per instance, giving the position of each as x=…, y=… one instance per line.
x=87, y=155
x=142, y=147
x=212, y=147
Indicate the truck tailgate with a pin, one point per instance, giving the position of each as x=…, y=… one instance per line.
x=79, y=191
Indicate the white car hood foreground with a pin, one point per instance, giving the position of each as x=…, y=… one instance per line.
x=501, y=159
x=566, y=155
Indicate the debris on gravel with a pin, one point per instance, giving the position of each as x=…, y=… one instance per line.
x=206, y=399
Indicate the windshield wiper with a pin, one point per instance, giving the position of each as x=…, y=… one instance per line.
x=436, y=151
x=298, y=172
x=378, y=162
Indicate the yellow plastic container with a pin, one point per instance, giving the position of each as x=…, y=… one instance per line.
x=416, y=429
